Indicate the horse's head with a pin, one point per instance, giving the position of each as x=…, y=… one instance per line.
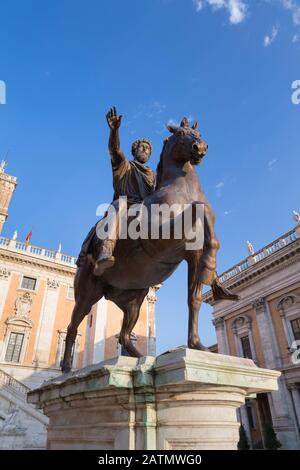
x=187, y=143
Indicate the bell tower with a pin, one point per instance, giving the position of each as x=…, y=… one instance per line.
x=8, y=184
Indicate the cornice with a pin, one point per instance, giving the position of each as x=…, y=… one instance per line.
x=26, y=260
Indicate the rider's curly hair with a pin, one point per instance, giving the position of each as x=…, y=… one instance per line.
x=137, y=143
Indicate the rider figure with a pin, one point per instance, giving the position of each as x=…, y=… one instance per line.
x=131, y=178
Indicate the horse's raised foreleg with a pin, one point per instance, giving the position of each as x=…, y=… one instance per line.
x=207, y=263
x=194, y=300
x=130, y=303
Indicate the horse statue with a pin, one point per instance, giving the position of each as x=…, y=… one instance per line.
x=143, y=263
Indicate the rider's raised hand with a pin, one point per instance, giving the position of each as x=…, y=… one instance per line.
x=113, y=120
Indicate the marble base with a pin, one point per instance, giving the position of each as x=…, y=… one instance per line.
x=184, y=399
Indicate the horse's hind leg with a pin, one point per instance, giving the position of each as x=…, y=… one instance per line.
x=81, y=309
x=130, y=302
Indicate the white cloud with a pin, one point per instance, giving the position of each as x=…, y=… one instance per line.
x=219, y=188
x=173, y=122
x=268, y=39
x=294, y=8
x=227, y=212
x=271, y=163
x=237, y=9
x=296, y=38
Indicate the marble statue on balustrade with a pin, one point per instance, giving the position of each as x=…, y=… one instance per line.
x=296, y=217
x=250, y=248
x=3, y=165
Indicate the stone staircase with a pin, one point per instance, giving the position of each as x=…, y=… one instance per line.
x=21, y=425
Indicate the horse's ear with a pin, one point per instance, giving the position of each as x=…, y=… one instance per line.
x=172, y=129
x=195, y=125
x=184, y=122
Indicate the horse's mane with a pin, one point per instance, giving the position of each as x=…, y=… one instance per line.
x=159, y=168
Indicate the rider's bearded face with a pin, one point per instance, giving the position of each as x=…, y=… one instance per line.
x=142, y=152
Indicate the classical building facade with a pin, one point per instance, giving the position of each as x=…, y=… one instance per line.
x=264, y=325
x=36, y=302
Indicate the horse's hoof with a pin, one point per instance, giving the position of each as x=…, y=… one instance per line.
x=220, y=293
x=197, y=345
x=132, y=352
x=65, y=369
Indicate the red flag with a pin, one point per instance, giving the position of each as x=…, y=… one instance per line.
x=28, y=238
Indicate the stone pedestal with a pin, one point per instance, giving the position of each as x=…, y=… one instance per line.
x=184, y=399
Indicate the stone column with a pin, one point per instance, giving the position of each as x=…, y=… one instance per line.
x=47, y=319
x=185, y=399
x=279, y=401
x=267, y=334
x=222, y=340
x=99, y=339
x=151, y=323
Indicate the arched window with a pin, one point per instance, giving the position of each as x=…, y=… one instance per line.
x=242, y=328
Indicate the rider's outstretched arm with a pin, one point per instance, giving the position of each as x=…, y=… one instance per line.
x=114, y=122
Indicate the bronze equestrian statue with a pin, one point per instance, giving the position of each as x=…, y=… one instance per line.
x=123, y=270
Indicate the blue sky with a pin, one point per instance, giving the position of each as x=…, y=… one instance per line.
x=228, y=63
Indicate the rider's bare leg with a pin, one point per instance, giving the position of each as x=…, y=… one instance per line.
x=106, y=258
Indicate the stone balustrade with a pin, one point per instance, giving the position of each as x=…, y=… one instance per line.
x=268, y=250
x=42, y=253
x=8, y=381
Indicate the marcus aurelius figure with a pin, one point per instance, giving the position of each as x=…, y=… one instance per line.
x=132, y=179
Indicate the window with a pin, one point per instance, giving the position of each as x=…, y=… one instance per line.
x=296, y=328
x=246, y=347
x=28, y=283
x=14, y=347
